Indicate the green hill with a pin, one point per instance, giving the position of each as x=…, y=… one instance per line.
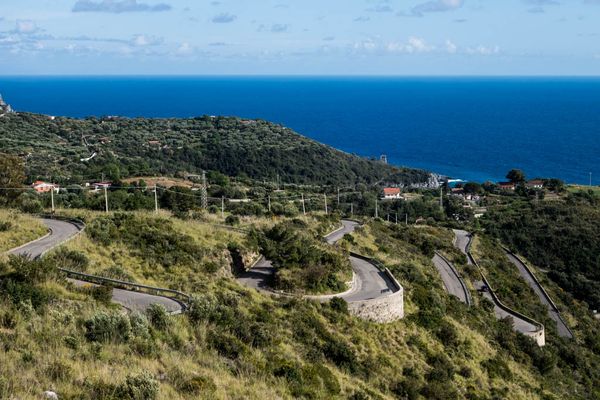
x=71, y=150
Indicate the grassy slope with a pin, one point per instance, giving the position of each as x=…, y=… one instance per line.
x=297, y=336
x=22, y=229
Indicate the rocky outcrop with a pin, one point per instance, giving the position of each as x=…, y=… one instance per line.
x=4, y=108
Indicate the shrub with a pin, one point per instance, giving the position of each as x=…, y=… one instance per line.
x=158, y=316
x=31, y=206
x=5, y=226
x=108, y=327
x=138, y=387
x=71, y=259
x=102, y=294
x=232, y=220
x=59, y=371
x=338, y=304
x=139, y=324
x=497, y=368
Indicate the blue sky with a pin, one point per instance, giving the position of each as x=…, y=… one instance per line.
x=313, y=37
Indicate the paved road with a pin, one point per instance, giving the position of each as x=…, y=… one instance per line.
x=451, y=281
x=369, y=282
x=61, y=231
x=461, y=241
x=562, y=328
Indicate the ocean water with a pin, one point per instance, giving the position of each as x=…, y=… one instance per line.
x=469, y=128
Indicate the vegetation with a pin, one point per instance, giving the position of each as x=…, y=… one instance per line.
x=561, y=236
x=140, y=147
x=302, y=261
x=237, y=343
x=17, y=229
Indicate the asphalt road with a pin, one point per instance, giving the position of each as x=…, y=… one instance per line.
x=60, y=232
x=369, y=281
x=461, y=241
x=451, y=281
x=562, y=328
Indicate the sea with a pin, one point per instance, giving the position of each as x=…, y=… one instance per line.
x=466, y=128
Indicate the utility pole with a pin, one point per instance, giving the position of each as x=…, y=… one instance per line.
x=376, y=209
x=155, y=198
x=277, y=181
x=52, y=197
x=441, y=199
x=303, y=205
x=222, y=206
x=324, y=195
x=269, y=200
x=204, y=191
x=105, y=198
x=396, y=218
x=351, y=208
x=406, y=218
x=388, y=218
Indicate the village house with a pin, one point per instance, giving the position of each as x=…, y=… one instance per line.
x=506, y=185
x=44, y=187
x=535, y=184
x=391, y=193
x=97, y=186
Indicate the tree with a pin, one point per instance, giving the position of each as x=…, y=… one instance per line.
x=12, y=175
x=516, y=176
x=472, y=187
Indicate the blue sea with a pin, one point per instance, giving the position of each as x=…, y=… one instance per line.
x=468, y=128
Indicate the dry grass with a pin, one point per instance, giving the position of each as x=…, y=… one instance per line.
x=22, y=229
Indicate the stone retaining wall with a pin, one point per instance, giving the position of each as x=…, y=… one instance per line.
x=382, y=309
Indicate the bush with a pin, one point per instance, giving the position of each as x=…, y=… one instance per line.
x=158, y=316
x=5, y=226
x=232, y=220
x=71, y=259
x=102, y=294
x=108, y=327
x=338, y=304
x=138, y=387
x=31, y=206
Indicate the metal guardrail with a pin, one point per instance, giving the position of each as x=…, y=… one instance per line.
x=495, y=297
x=380, y=267
x=182, y=298
x=542, y=289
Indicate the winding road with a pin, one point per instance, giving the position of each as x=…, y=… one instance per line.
x=453, y=283
x=61, y=231
x=527, y=274
x=461, y=241
x=368, y=283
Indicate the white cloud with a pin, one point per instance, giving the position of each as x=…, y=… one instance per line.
x=145, y=40
x=25, y=27
x=451, y=47
x=185, y=49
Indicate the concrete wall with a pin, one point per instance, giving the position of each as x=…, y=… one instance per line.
x=382, y=310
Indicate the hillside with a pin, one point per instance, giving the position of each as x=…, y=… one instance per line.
x=71, y=150
x=237, y=343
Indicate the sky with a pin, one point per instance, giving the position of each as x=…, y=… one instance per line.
x=300, y=37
